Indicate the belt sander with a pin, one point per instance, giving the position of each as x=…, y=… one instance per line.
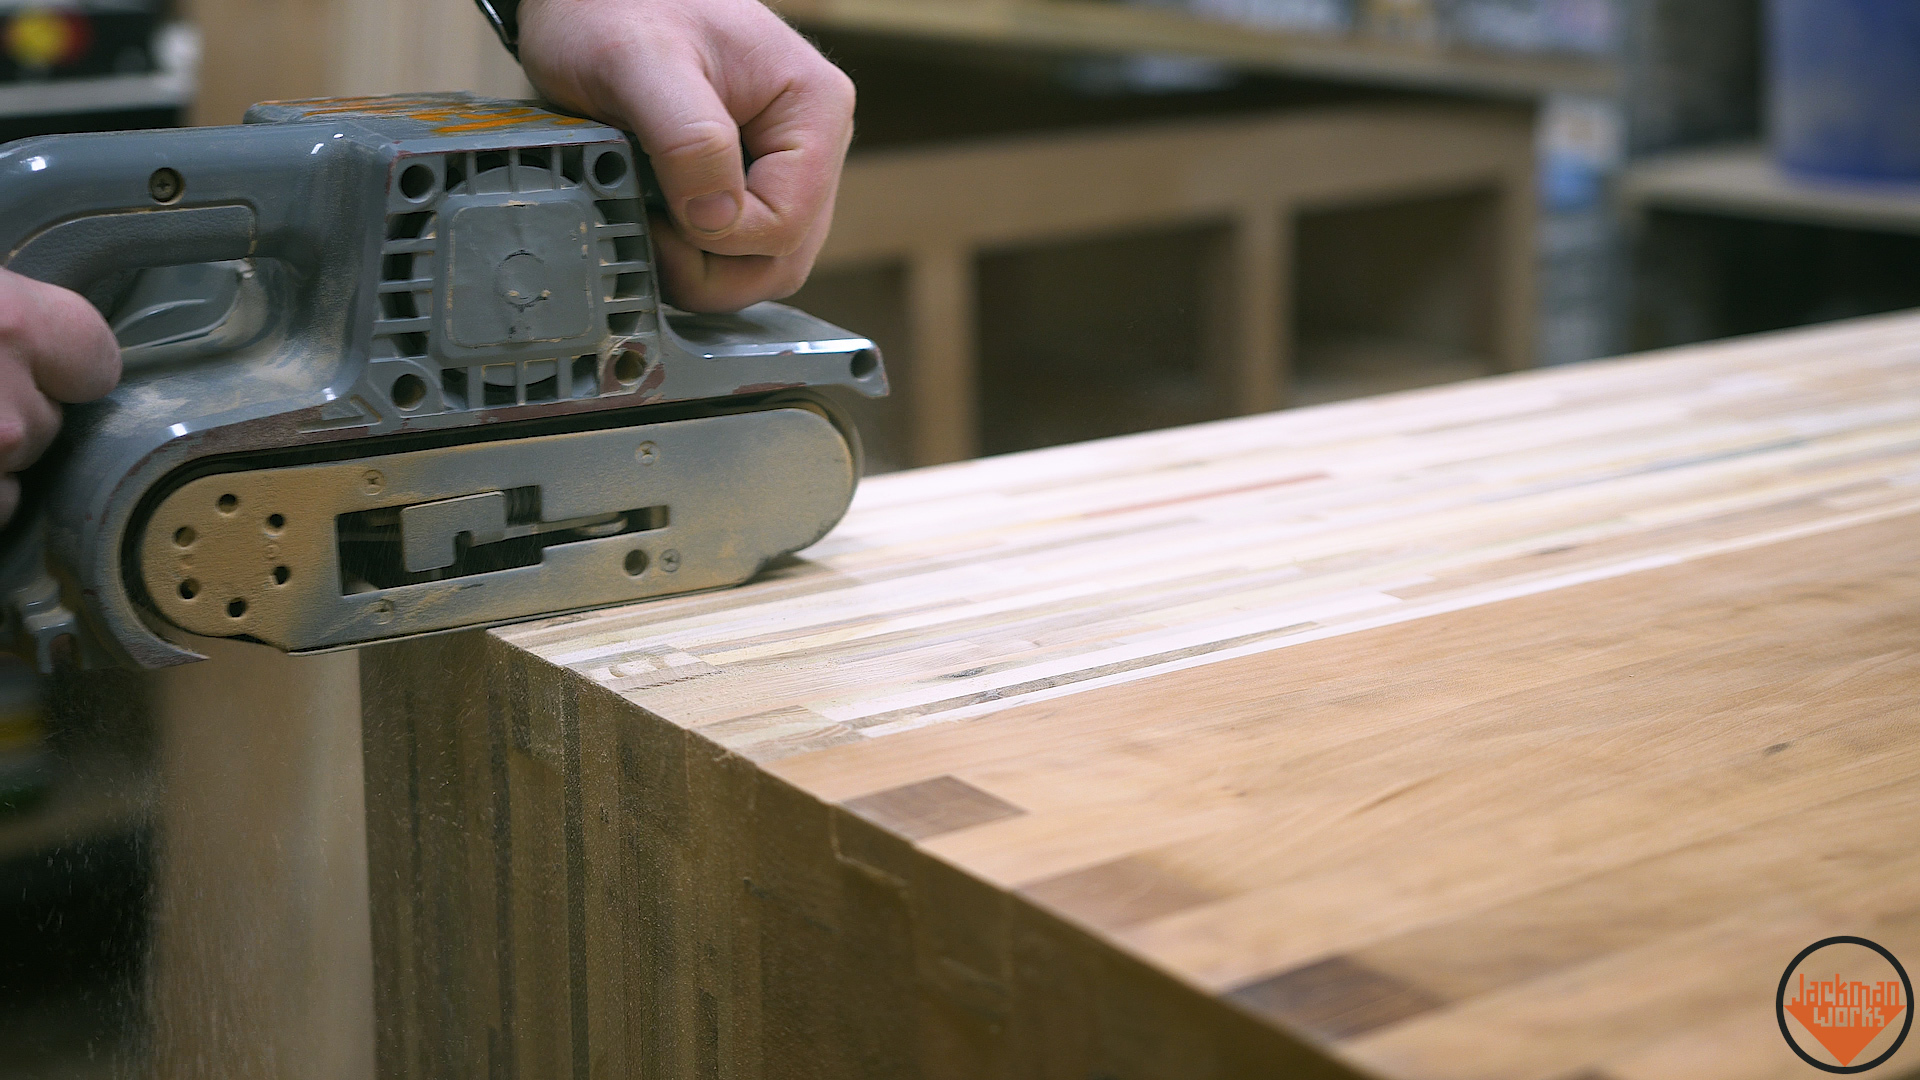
x=396, y=366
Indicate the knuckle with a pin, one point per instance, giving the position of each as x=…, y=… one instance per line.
x=786, y=238
x=786, y=279
x=16, y=321
x=700, y=139
x=838, y=87
x=15, y=439
x=598, y=55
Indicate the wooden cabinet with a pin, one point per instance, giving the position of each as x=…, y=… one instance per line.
x=1311, y=236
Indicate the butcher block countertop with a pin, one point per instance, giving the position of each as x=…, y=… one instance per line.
x=1526, y=727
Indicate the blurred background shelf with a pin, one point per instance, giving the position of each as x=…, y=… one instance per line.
x=1744, y=181
x=1083, y=25
x=1725, y=242
x=146, y=85
x=108, y=93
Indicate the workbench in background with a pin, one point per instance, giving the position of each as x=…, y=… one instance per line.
x=1057, y=286
x=1521, y=728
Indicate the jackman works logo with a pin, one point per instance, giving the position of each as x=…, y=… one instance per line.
x=1844, y=1004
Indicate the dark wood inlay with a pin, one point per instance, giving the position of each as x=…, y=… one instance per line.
x=1118, y=894
x=1333, y=999
x=931, y=808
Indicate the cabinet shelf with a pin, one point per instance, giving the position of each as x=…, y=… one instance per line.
x=1085, y=25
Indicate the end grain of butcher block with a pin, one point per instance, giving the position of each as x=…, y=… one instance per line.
x=1523, y=728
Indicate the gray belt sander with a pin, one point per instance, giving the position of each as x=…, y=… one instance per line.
x=396, y=366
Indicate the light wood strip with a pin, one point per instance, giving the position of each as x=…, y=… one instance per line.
x=1797, y=854
x=1638, y=996
x=1062, y=571
x=1376, y=862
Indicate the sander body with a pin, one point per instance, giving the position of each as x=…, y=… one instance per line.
x=396, y=366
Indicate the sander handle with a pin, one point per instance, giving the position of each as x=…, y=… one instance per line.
x=80, y=210
x=87, y=211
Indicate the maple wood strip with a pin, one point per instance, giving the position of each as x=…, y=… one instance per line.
x=1706, y=976
x=1711, y=460
x=1445, y=849
x=1798, y=854
x=1741, y=1046
x=1217, y=701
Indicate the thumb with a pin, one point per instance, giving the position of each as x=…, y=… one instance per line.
x=694, y=143
x=66, y=344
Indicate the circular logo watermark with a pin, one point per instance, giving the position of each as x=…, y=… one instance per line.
x=1844, y=1004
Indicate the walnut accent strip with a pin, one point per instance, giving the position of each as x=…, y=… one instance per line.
x=932, y=808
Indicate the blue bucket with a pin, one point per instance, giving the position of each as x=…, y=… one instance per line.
x=1846, y=87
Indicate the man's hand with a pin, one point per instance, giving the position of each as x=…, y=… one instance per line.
x=697, y=81
x=53, y=347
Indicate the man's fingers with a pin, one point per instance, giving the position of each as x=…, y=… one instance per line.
x=701, y=84
x=28, y=421
x=59, y=338
x=53, y=347
x=798, y=143
x=795, y=111
x=693, y=142
x=699, y=280
x=768, y=89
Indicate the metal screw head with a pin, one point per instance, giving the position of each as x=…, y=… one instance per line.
x=647, y=453
x=373, y=481
x=383, y=611
x=166, y=186
x=669, y=560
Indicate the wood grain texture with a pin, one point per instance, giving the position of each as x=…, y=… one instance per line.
x=958, y=592
x=1519, y=729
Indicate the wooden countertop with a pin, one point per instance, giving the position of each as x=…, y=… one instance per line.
x=1519, y=728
